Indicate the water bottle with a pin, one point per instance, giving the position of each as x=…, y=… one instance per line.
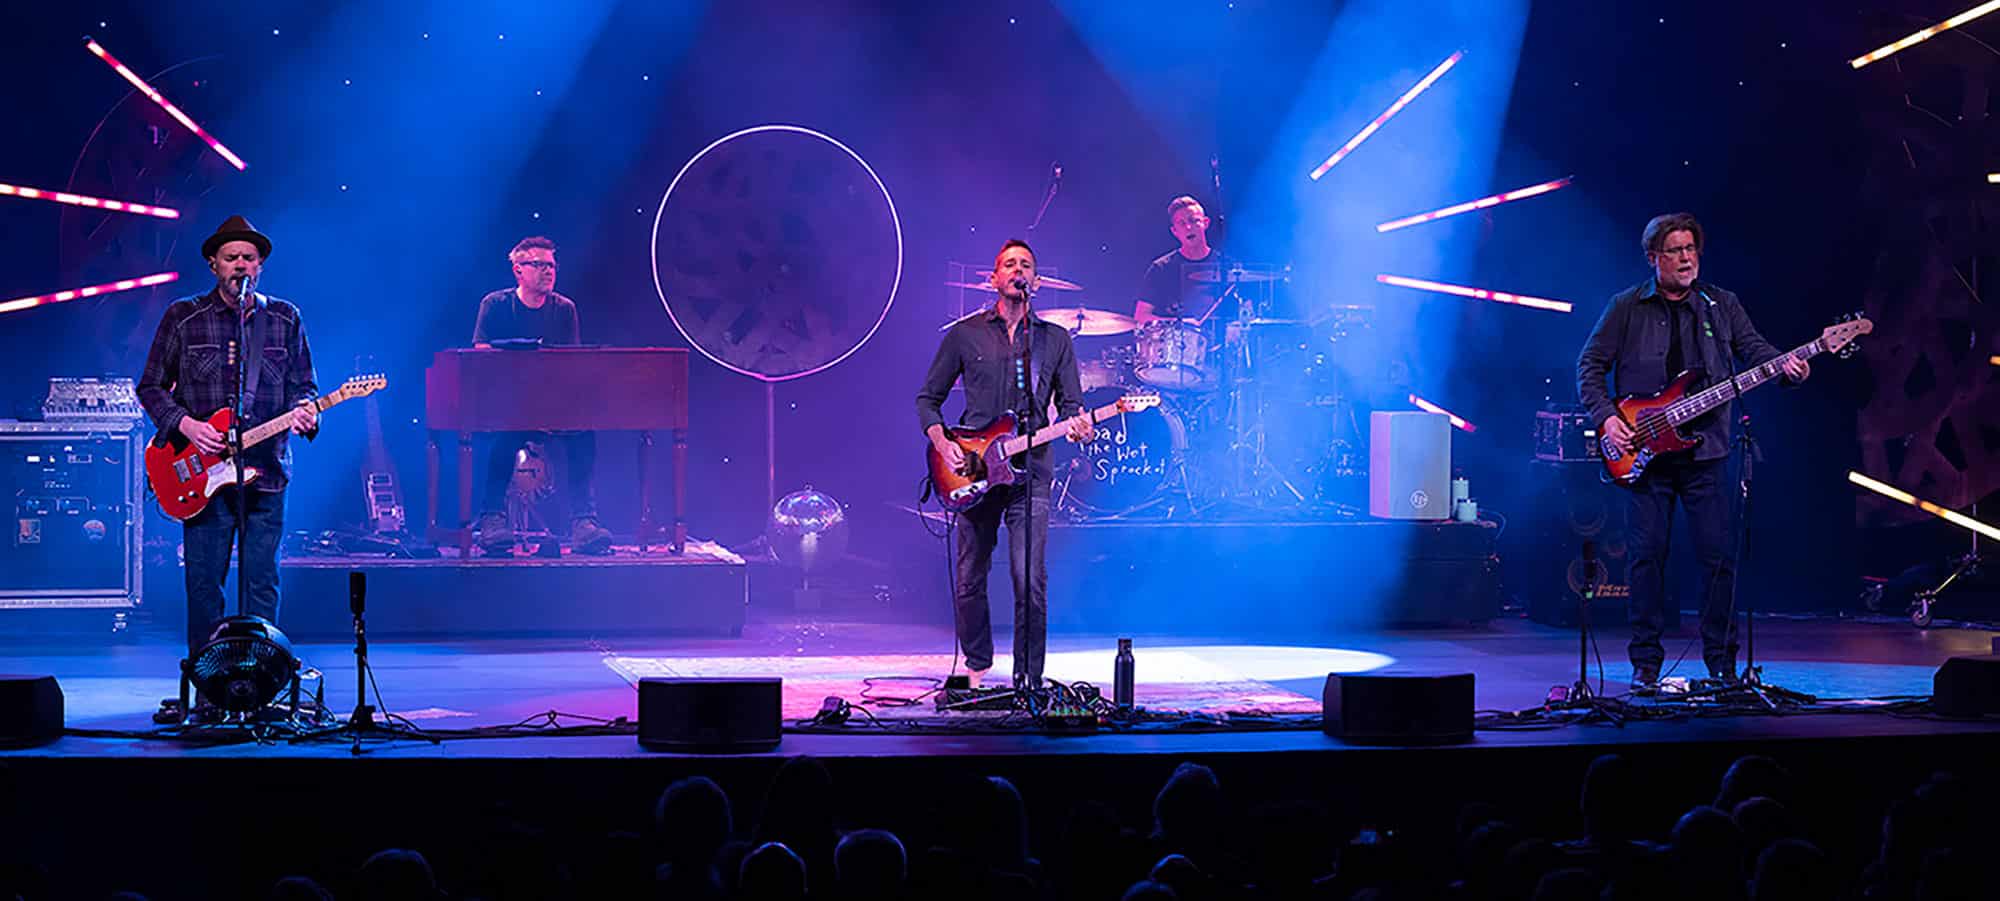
x=1121, y=675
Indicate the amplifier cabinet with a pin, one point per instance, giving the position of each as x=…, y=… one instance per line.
x=76, y=498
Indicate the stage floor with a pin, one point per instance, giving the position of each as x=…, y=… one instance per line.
x=495, y=681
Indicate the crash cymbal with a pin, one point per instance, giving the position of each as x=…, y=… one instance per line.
x=1049, y=282
x=1237, y=276
x=1088, y=322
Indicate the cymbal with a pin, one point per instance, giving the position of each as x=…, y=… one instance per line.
x=1088, y=322
x=1238, y=276
x=1048, y=281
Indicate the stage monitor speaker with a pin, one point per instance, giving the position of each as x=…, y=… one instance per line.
x=31, y=711
x=710, y=716
x=1409, y=465
x=1967, y=686
x=1398, y=709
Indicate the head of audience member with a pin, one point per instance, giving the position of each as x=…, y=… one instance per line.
x=1753, y=776
x=298, y=888
x=1001, y=819
x=693, y=820
x=1611, y=800
x=397, y=874
x=1187, y=813
x=1571, y=884
x=1790, y=870
x=1148, y=890
x=1707, y=851
x=799, y=811
x=772, y=872
x=870, y=864
x=1764, y=822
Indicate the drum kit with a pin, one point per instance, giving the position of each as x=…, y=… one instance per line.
x=1258, y=415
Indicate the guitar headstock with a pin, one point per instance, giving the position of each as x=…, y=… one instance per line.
x=1840, y=337
x=1134, y=403
x=362, y=386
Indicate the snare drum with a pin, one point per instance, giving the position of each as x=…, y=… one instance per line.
x=1174, y=354
x=1126, y=466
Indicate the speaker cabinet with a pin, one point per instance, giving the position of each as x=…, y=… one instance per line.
x=1398, y=709
x=1575, y=507
x=31, y=711
x=710, y=716
x=1968, y=686
x=1409, y=465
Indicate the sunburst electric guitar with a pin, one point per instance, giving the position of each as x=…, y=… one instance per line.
x=995, y=456
x=184, y=478
x=1656, y=419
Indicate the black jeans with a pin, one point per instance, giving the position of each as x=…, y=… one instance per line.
x=580, y=449
x=1701, y=489
x=978, y=532
x=207, y=541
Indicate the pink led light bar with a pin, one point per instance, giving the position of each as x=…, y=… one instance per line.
x=85, y=200
x=1429, y=407
x=1393, y=109
x=1539, y=303
x=159, y=278
x=1480, y=204
x=172, y=110
x=1926, y=34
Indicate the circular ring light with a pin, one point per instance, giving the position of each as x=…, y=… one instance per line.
x=772, y=255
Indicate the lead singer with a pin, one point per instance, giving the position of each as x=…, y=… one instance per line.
x=986, y=350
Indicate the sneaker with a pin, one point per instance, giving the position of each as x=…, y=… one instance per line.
x=587, y=537
x=1645, y=679
x=495, y=536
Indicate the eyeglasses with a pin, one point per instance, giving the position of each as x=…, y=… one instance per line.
x=1689, y=251
x=538, y=264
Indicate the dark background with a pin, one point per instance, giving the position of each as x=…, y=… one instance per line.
x=397, y=150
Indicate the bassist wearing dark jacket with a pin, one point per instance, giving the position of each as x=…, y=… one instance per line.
x=1649, y=334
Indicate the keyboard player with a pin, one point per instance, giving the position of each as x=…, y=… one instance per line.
x=532, y=311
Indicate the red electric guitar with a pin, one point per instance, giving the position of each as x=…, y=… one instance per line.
x=185, y=478
x=1656, y=419
x=989, y=451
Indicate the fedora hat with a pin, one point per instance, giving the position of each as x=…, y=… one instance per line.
x=235, y=228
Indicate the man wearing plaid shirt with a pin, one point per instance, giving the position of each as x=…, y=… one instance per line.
x=189, y=376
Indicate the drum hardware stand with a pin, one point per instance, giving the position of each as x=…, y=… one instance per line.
x=1966, y=564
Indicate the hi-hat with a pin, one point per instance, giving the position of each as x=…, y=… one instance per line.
x=1048, y=281
x=1237, y=276
x=1088, y=322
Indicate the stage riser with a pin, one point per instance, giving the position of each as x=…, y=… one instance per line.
x=462, y=601
x=1264, y=579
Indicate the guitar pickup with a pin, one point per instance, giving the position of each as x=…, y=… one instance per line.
x=972, y=490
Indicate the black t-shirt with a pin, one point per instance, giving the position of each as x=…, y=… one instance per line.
x=1681, y=335
x=502, y=316
x=1173, y=292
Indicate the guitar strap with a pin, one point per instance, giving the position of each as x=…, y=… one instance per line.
x=253, y=359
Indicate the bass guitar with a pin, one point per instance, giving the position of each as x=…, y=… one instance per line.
x=184, y=478
x=990, y=452
x=1657, y=419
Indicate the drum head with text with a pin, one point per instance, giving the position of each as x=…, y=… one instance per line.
x=1128, y=464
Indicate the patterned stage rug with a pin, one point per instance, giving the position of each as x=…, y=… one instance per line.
x=1167, y=680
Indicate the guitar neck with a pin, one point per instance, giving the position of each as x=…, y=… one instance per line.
x=283, y=421
x=1054, y=430
x=1723, y=392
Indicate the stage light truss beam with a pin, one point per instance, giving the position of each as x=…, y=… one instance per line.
x=22, y=303
x=1387, y=114
x=7, y=190
x=1480, y=204
x=1951, y=516
x=1925, y=35
x=98, y=50
x=1523, y=300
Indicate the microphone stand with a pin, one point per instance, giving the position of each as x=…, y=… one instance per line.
x=1024, y=426
x=245, y=299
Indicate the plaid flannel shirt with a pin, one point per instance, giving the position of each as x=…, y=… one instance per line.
x=187, y=372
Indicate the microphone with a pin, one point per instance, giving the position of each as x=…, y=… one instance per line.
x=1020, y=284
x=243, y=286
x=1055, y=171
x=1590, y=576
x=357, y=592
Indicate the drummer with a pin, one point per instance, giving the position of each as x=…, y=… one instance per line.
x=1170, y=289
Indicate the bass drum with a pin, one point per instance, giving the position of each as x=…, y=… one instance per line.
x=1127, y=467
